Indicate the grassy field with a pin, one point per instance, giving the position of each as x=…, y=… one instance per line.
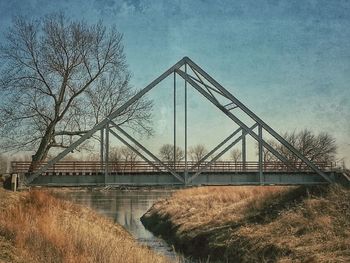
x=36, y=227
x=257, y=224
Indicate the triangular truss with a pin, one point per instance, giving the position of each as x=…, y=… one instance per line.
x=197, y=78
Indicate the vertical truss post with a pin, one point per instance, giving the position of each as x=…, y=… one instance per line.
x=174, y=120
x=244, y=153
x=260, y=154
x=186, y=172
x=101, y=149
x=106, y=153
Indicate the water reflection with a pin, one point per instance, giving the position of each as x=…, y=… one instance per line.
x=126, y=207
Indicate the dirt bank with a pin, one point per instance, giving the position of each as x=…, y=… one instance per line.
x=37, y=227
x=256, y=224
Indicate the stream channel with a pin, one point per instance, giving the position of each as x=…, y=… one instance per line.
x=126, y=207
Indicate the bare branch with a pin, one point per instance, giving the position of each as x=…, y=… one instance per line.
x=59, y=79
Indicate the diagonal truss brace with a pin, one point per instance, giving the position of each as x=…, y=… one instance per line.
x=209, y=89
x=135, y=150
x=146, y=151
x=222, y=152
x=215, y=149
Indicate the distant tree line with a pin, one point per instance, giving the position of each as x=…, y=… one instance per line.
x=317, y=148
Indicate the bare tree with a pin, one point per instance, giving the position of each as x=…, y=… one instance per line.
x=317, y=148
x=105, y=98
x=166, y=153
x=58, y=79
x=236, y=155
x=123, y=154
x=91, y=156
x=3, y=164
x=115, y=154
x=128, y=154
x=197, y=152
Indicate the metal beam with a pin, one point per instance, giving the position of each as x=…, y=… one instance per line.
x=233, y=117
x=200, y=80
x=104, y=122
x=257, y=119
x=208, y=88
x=147, y=152
x=220, y=154
x=215, y=149
x=135, y=150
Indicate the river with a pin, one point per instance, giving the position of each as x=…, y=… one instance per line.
x=126, y=207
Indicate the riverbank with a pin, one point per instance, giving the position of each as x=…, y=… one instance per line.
x=256, y=224
x=37, y=227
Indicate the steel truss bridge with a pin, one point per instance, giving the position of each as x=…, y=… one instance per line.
x=69, y=173
x=208, y=170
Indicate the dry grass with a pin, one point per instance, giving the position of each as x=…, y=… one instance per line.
x=215, y=206
x=261, y=224
x=315, y=230
x=36, y=227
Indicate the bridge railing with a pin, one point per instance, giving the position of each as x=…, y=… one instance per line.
x=94, y=167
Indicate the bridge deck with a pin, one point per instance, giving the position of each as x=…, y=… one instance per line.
x=78, y=173
x=93, y=167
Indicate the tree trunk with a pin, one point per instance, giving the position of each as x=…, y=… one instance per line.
x=43, y=149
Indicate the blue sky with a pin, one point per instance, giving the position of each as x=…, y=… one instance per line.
x=289, y=61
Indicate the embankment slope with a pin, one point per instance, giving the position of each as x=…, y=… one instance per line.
x=257, y=224
x=37, y=227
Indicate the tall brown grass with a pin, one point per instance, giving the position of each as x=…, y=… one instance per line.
x=42, y=228
x=260, y=224
x=211, y=206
